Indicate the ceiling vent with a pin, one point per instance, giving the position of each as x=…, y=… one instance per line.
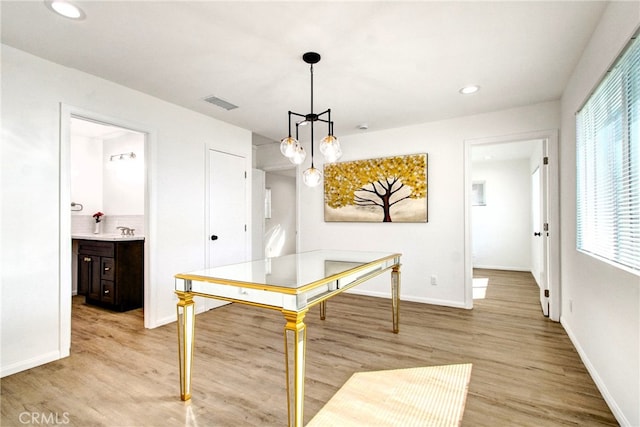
x=220, y=103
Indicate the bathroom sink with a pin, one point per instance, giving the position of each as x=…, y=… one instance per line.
x=106, y=237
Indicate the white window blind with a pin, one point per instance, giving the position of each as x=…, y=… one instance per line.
x=608, y=165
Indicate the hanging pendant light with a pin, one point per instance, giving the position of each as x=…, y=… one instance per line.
x=291, y=148
x=330, y=148
x=311, y=177
x=288, y=146
x=298, y=156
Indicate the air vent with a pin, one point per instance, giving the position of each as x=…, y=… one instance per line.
x=220, y=103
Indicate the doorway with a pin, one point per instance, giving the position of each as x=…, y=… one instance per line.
x=93, y=137
x=499, y=216
x=280, y=236
x=275, y=213
x=108, y=177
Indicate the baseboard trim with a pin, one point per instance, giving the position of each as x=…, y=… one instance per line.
x=23, y=365
x=446, y=303
x=502, y=267
x=615, y=409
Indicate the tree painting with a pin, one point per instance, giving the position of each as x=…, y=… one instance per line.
x=389, y=189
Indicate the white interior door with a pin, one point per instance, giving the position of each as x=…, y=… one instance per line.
x=537, y=238
x=227, y=236
x=540, y=213
x=536, y=226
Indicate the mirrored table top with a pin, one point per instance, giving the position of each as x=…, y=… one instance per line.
x=293, y=273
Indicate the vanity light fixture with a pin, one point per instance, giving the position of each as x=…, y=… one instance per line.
x=122, y=156
x=329, y=146
x=468, y=90
x=66, y=9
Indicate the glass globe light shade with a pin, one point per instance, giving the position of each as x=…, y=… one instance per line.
x=328, y=143
x=298, y=155
x=288, y=145
x=333, y=155
x=311, y=177
x=330, y=148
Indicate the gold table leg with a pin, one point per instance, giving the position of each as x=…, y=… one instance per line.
x=395, y=297
x=186, y=332
x=295, y=336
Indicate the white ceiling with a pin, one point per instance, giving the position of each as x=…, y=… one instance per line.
x=387, y=64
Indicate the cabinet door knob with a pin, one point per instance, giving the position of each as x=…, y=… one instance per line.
x=107, y=268
x=106, y=291
x=87, y=259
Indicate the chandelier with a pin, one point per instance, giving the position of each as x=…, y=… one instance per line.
x=329, y=146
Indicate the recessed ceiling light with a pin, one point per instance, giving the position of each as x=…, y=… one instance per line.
x=65, y=8
x=468, y=90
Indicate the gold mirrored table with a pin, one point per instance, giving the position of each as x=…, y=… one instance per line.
x=291, y=284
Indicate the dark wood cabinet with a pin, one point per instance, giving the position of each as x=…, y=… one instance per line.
x=111, y=274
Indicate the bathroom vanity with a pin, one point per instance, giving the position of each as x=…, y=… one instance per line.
x=111, y=270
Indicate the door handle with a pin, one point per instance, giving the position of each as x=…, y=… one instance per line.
x=537, y=234
x=214, y=237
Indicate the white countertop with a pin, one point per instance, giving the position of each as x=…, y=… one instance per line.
x=106, y=237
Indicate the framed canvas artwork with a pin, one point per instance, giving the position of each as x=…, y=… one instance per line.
x=388, y=189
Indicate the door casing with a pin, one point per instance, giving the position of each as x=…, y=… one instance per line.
x=552, y=212
x=66, y=112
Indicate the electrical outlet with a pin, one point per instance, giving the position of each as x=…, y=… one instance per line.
x=434, y=280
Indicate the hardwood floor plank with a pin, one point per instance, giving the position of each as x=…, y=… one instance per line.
x=525, y=369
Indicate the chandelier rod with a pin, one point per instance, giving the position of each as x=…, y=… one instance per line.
x=313, y=118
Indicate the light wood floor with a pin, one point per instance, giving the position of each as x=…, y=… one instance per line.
x=525, y=370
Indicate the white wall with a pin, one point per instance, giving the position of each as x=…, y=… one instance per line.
x=437, y=247
x=113, y=187
x=280, y=229
x=600, y=303
x=35, y=308
x=86, y=174
x=501, y=230
x=124, y=180
x=257, y=212
x=269, y=158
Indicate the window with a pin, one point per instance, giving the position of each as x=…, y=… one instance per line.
x=608, y=165
x=477, y=194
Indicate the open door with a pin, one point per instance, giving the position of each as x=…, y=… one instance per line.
x=539, y=225
x=544, y=206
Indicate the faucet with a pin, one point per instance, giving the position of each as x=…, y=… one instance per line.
x=126, y=231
